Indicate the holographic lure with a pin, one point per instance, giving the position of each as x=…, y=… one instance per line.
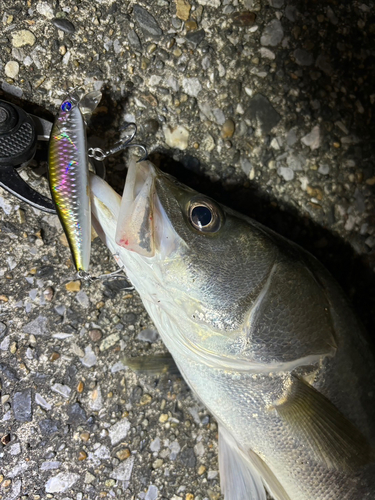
x=69, y=174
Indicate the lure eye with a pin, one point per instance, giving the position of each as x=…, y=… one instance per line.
x=205, y=215
x=66, y=106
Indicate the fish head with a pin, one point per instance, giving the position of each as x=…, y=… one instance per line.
x=215, y=281
x=188, y=255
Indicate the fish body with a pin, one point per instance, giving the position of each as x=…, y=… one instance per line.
x=261, y=333
x=69, y=174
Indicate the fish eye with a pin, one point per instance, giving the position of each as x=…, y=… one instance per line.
x=205, y=215
x=66, y=106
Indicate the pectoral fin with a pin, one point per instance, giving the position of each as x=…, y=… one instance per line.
x=238, y=478
x=320, y=427
x=155, y=364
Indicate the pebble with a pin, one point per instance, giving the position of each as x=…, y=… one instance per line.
x=134, y=40
x=123, y=471
x=272, y=34
x=82, y=455
x=187, y=457
x=22, y=37
x=267, y=53
x=63, y=25
x=291, y=138
x=145, y=399
x=177, y=137
x=50, y=465
x=155, y=445
x=286, y=172
x=147, y=22
x=48, y=293
x=210, y=3
x=119, y=431
x=9, y=372
x=157, y=463
x=109, y=341
x=199, y=449
x=73, y=286
x=85, y=436
x=76, y=414
x=64, y=390
x=191, y=26
x=54, y=356
x=123, y=454
x=201, y=470
x=323, y=62
x=82, y=299
x=22, y=406
x=228, y=129
x=96, y=402
x=175, y=449
x=212, y=474
x=194, y=38
x=103, y=452
x=45, y=9
x=312, y=140
x=38, y=326
x=39, y=399
x=3, y=328
x=152, y=493
x=4, y=345
x=62, y=482
x=245, y=18
x=148, y=335
x=295, y=162
x=303, y=57
x=95, y=335
x=11, y=69
x=323, y=169
x=89, y=478
x=261, y=111
x=163, y=418
x=183, y=9
x=191, y=86
x=15, y=449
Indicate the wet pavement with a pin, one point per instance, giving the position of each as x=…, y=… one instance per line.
x=266, y=106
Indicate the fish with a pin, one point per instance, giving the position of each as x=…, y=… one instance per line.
x=68, y=173
x=259, y=330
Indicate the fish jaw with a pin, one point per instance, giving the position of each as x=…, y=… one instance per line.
x=105, y=206
x=143, y=226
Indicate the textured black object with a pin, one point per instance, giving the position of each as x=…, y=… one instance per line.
x=17, y=143
x=17, y=146
x=64, y=25
x=17, y=135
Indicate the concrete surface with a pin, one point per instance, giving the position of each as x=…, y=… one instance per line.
x=266, y=106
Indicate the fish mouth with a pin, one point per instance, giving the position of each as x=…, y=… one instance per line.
x=143, y=226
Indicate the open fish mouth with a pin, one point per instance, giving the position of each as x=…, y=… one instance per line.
x=143, y=226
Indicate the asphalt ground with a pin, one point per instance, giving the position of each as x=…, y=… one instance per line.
x=267, y=107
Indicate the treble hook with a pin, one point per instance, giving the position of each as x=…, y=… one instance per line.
x=100, y=155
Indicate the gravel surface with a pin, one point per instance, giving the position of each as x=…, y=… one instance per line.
x=266, y=106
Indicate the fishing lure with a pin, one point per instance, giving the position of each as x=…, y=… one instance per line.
x=69, y=174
